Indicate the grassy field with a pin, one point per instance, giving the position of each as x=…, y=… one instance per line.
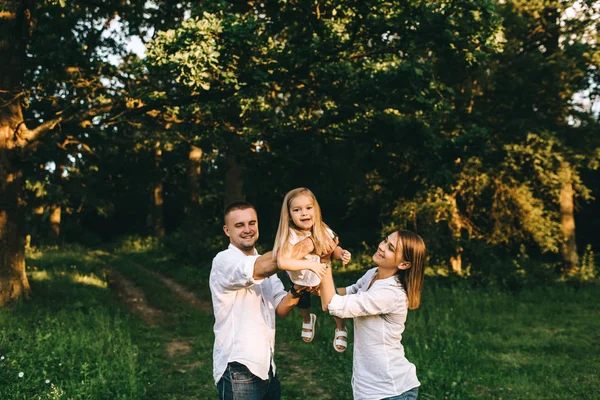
x=79, y=338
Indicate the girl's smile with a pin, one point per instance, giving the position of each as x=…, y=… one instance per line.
x=302, y=211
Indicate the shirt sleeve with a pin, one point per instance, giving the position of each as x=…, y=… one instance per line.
x=376, y=301
x=365, y=279
x=277, y=290
x=234, y=273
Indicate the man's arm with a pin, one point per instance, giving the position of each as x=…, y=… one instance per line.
x=302, y=248
x=286, y=304
x=265, y=266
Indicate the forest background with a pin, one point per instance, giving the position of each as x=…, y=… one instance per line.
x=473, y=123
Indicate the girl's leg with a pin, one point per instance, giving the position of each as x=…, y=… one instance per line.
x=340, y=323
x=305, y=315
x=340, y=341
x=308, y=319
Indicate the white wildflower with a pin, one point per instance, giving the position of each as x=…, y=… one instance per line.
x=21, y=374
x=47, y=381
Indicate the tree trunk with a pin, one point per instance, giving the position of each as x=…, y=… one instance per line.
x=194, y=171
x=55, y=212
x=158, y=226
x=233, y=181
x=56, y=209
x=13, y=280
x=15, y=19
x=567, y=221
x=456, y=226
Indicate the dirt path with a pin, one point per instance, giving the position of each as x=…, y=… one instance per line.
x=180, y=291
x=177, y=349
x=133, y=297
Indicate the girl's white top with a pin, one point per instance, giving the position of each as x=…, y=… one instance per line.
x=305, y=277
x=380, y=368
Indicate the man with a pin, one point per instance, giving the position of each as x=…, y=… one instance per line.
x=246, y=296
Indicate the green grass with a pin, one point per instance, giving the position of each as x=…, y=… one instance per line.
x=467, y=343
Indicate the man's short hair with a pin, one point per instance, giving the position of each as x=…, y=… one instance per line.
x=237, y=205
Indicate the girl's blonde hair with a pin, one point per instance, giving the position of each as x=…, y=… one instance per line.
x=318, y=231
x=411, y=248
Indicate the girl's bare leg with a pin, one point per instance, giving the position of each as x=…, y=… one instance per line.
x=305, y=314
x=340, y=325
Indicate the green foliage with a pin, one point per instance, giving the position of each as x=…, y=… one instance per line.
x=588, y=270
x=452, y=118
x=199, y=65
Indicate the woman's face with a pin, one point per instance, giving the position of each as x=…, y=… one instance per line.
x=385, y=256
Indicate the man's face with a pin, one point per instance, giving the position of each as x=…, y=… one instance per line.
x=241, y=226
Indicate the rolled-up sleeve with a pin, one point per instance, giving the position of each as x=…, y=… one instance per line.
x=372, y=302
x=277, y=290
x=352, y=289
x=234, y=273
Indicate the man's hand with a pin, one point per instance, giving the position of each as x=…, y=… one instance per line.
x=302, y=248
x=308, y=289
x=302, y=289
x=315, y=290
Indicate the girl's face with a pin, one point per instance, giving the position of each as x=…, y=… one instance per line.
x=385, y=256
x=302, y=211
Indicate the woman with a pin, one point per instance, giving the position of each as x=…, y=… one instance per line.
x=379, y=302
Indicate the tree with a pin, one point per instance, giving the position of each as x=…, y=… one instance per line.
x=53, y=64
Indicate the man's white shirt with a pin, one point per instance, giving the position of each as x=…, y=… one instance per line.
x=244, y=310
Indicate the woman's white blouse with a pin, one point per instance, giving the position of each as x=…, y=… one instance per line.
x=380, y=368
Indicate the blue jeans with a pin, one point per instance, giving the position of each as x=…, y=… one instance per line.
x=408, y=395
x=238, y=383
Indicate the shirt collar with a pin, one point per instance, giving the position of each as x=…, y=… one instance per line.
x=232, y=247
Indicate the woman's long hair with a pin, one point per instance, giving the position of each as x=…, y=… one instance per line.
x=411, y=248
x=318, y=231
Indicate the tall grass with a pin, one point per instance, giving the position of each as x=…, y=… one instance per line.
x=70, y=339
x=73, y=339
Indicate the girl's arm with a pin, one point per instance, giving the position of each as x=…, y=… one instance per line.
x=341, y=254
x=286, y=263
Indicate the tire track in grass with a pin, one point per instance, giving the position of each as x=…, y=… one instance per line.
x=133, y=297
x=186, y=295
x=136, y=302
x=178, y=349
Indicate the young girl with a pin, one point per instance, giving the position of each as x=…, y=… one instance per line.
x=379, y=303
x=301, y=218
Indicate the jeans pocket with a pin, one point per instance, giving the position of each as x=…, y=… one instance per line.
x=241, y=374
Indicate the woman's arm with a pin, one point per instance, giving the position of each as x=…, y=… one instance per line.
x=372, y=302
x=377, y=301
